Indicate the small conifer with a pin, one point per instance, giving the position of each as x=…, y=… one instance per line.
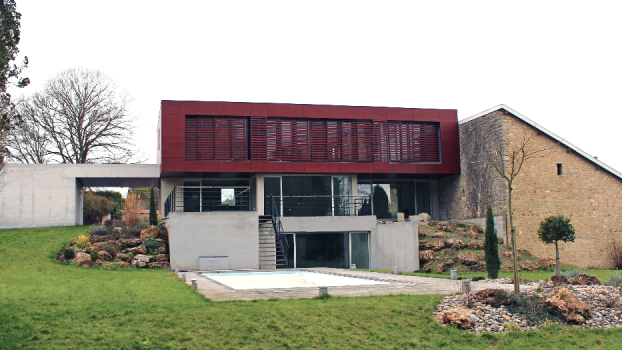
x=491, y=246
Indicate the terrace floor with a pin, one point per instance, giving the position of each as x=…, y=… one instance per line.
x=397, y=284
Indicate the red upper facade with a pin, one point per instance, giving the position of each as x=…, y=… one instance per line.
x=287, y=138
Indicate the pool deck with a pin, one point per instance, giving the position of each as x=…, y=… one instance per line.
x=397, y=284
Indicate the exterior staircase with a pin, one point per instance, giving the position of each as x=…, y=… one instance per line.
x=271, y=254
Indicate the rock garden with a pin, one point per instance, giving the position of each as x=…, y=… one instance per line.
x=580, y=301
x=114, y=246
x=445, y=246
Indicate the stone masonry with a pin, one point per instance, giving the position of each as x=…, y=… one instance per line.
x=589, y=195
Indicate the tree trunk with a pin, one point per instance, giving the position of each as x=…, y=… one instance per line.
x=514, y=252
x=557, y=269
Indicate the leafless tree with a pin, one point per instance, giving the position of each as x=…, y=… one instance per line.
x=508, y=161
x=80, y=116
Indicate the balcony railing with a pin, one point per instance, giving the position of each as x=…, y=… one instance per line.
x=206, y=199
x=323, y=205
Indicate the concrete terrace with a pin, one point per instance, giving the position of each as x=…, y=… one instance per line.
x=397, y=284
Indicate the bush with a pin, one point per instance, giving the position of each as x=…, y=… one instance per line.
x=614, y=254
x=83, y=241
x=117, y=232
x=94, y=255
x=131, y=210
x=511, y=326
x=69, y=253
x=153, y=219
x=532, y=308
x=98, y=231
x=491, y=246
x=110, y=248
x=130, y=254
x=96, y=207
x=150, y=243
x=554, y=229
x=478, y=278
x=559, y=280
x=615, y=281
x=572, y=273
x=109, y=223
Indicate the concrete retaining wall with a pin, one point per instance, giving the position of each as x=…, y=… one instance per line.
x=232, y=234
x=329, y=223
x=395, y=245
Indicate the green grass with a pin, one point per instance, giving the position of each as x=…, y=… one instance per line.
x=603, y=275
x=44, y=305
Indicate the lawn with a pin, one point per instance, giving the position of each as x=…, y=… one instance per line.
x=49, y=305
x=603, y=275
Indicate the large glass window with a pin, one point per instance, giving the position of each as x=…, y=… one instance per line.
x=322, y=250
x=271, y=186
x=392, y=197
x=360, y=249
x=216, y=195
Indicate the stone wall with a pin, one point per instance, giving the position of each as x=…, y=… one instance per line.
x=589, y=195
x=465, y=196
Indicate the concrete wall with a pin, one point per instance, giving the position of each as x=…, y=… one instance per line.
x=393, y=245
x=329, y=224
x=232, y=234
x=40, y=195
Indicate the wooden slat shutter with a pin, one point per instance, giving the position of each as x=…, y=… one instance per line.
x=380, y=141
x=216, y=138
x=258, y=138
x=191, y=138
x=364, y=140
x=318, y=140
x=413, y=142
x=333, y=140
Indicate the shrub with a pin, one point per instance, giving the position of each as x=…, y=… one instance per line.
x=572, y=273
x=83, y=241
x=131, y=210
x=130, y=254
x=96, y=207
x=153, y=219
x=615, y=281
x=491, y=246
x=554, y=229
x=117, y=232
x=110, y=248
x=614, y=254
x=511, y=326
x=94, y=255
x=559, y=280
x=478, y=278
x=532, y=308
x=98, y=231
x=150, y=243
x=109, y=223
x=69, y=253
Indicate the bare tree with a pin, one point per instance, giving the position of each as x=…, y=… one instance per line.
x=508, y=161
x=80, y=116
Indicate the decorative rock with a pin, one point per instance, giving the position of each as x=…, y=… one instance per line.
x=82, y=259
x=142, y=258
x=460, y=316
x=101, y=263
x=158, y=250
x=474, y=232
x=108, y=244
x=131, y=242
x=454, y=244
x=123, y=264
x=493, y=297
x=426, y=256
x=476, y=245
x=138, y=264
x=151, y=231
x=439, y=235
x=162, y=258
x=468, y=259
x=584, y=280
x=424, y=218
x=433, y=245
x=104, y=255
x=138, y=250
x=568, y=306
x=123, y=257
x=159, y=265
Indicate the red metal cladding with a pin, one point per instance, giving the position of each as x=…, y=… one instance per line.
x=249, y=137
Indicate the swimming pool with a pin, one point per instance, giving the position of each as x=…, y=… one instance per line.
x=285, y=279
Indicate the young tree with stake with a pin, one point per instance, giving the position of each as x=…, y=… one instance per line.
x=554, y=229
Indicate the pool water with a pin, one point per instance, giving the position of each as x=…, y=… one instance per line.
x=285, y=279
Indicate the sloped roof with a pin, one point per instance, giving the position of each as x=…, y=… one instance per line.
x=544, y=131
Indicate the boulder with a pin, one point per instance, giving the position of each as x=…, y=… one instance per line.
x=508, y=255
x=138, y=250
x=438, y=235
x=101, y=263
x=475, y=231
x=431, y=245
x=123, y=264
x=159, y=265
x=82, y=259
x=138, y=264
x=468, y=259
x=425, y=256
x=454, y=243
x=123, y=257
x=547, y=263
x=584, y=280
x=142, y=258
x=161, y=258
x=104, y=255
x=424, y=218
x=476, y=245
x=528, y=266
x=460, y=316
x=568, y=306
x=158, y=250
x=500, y=240
x=493, y=297
x=108, y=245
x=131, y=242
x=151, y=231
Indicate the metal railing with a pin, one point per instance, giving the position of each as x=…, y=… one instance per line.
x=278, y=230
x=208, y=198
x=323, y=205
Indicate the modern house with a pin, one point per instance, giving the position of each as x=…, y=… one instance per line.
x=320, y=175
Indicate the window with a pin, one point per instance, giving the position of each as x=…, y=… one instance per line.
x=216, y=195
x=216, y=138
x=560, y=169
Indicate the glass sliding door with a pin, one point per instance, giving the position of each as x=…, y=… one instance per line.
x=341, y=196
x=330, y=249
x=307, y=196
x=271, y=186
x=423, y=197
x=192, y=201
x=360, y=249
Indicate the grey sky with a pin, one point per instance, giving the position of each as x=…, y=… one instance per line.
x=556, y=62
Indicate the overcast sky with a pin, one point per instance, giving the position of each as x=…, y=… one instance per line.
x=557, y=63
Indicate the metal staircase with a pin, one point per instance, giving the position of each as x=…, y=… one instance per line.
x=273, y=246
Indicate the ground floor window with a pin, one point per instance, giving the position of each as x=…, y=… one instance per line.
x=329, y=249
x=392, y=197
